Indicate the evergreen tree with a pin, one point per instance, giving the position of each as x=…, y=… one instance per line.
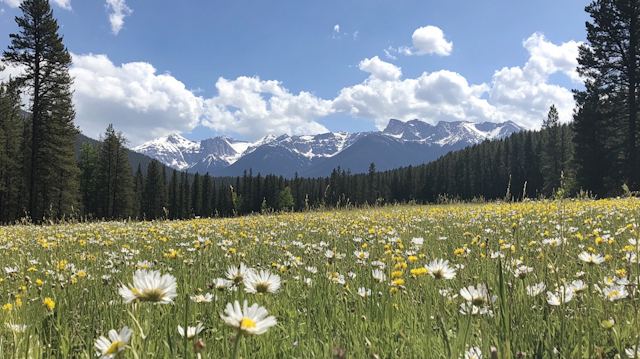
x=196, y=195
x=154, y=197
x=52, y=172
x=115, y=177
x=88, y=164
x=206, y=195
x=609, y=63
x=286, y=199
x=11, y=179
x=174, y=196
x=551, y=157
x=138, y=192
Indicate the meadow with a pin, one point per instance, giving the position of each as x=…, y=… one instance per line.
x=536, y=279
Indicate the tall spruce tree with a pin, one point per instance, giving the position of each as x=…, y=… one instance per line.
x=138, y=191
x=115, y=177
x=609, y=63
x=551, y=158
x=88, y=164
x=11, y=127
x=52, y=172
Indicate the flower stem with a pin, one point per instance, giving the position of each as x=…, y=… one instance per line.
x=236, y=341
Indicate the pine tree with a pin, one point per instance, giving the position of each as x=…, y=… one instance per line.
x=206, y=195
x=115, y=177
x=286, y=199
x=174, y=196
x=551, y=161
x=196, y=195
x=88, y=164
x=154, y=199
x=52, y=172
x=138, y=192
x=609, y=63
x=11, y=179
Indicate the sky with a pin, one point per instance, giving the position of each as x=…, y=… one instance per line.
x=247, y=69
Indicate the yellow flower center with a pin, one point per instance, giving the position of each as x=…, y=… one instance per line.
x=615, y=292
x=247, y=323
x=238, y=278
x=361, y=255
x=113, y=349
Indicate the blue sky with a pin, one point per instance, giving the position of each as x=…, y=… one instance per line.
x=252, y=68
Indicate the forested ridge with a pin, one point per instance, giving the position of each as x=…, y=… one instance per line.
x=43, y=176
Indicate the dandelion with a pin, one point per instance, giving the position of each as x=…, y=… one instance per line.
x=191, y=331
x=591, y=258
x=439, y=269
x=111, y=348
x=150, y=286
x=261, y=282
x=248, y=320
x=49, y=303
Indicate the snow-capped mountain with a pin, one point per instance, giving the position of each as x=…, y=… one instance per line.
x=399, y=144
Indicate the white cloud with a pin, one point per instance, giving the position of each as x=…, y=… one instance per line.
x=355, y=35
x=138, y=102
x=120, y=11
x=12, y=3
x=518, y=94
x=428, y=40
x=380, y=70
x=336, y=28
x=65, y=4
x=524, y=95
x=1, y=11
x=388, y=54
x=255, y=108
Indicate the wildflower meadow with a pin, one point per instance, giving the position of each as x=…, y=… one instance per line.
x=535, y=279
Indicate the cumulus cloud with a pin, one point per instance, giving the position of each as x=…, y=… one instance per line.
x=138, y=102
x=428, y=40
x=522, y=95
x=65, y=4
x=255, y=108
x=380, y=70
x=116, y=18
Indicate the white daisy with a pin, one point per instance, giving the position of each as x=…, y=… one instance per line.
x=477, y=296
x=249, y=320
x=473, y=353
x=591, y=258
x=578, y=285
x=16, y=328
x=616, y=292
x=378, y=275
x=521, y=272
x=222, y=284
x=364, y=292
x=191, y=331
x=236, y=274
x=261, y=282
x=564, y=296
x=207, y=298
x=439, y=269
x=632, y=352
x=533, y=290
x=361, y=254
x=111, y=348
x=150, y=286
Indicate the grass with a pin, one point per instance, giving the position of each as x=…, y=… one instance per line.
x=80, y=267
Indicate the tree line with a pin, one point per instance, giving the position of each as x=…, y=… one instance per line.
x=41, y=177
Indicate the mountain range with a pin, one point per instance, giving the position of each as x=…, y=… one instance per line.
x=399, y=144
